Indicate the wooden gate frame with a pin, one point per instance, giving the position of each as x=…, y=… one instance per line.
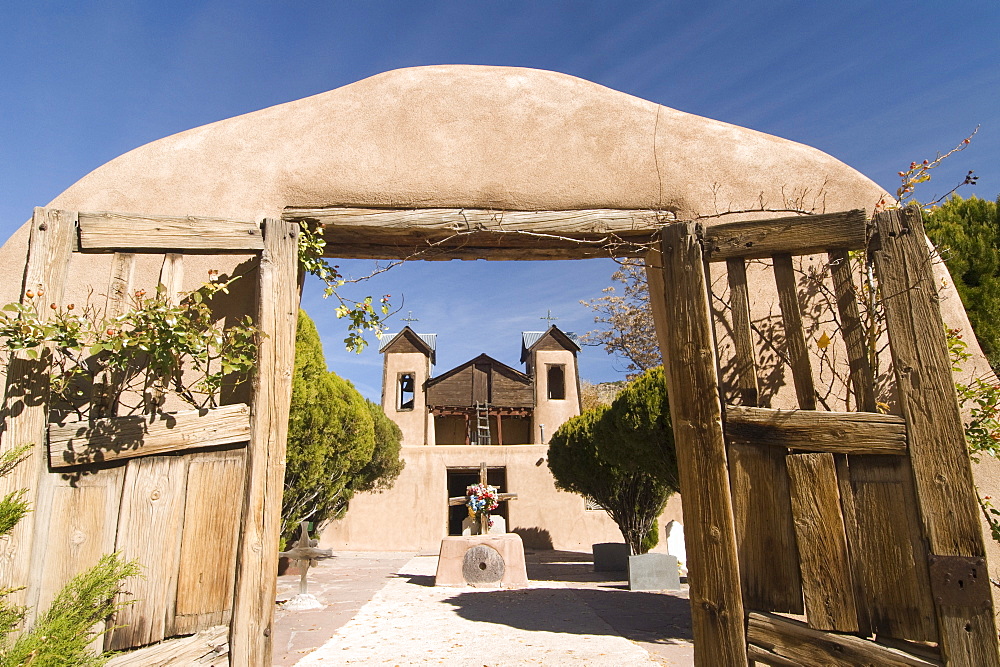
x=54, y=236
x=725, y=633
x=680, y=299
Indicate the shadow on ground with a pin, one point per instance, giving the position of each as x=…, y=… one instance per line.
x=637, y=616
x=569, y=566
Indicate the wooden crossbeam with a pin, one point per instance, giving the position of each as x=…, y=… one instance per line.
x=801, y=645
x=807, y=430
x=467, y=233
x=120, y=232
x=796, y=235
x=99, y=440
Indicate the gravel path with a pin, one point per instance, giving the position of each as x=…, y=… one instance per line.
x=410, y=622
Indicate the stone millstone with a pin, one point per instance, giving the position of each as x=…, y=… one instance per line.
x=482, y=565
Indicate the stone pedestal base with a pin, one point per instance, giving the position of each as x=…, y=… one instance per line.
x=488, y=561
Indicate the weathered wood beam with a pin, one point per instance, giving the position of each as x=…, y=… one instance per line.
x=100, y=440
x=796, y=235
x=942, y=472
x=853, y=331
x=208, y=647
x=462, y=233
x=453, y=220
x=682, y=312
x=25, y=407
x=799, y=644
x=808, y=430
x=827, y=581
x=119, y=232
x=251, y=635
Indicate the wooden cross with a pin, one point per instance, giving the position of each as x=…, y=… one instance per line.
x=306, y=554
x=410, y=318
x=461, y=500
x=548, y=316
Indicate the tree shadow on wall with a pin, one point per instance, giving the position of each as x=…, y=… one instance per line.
x=534, y=537
x=638, y=616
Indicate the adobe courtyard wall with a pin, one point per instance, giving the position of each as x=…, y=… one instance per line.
x=413, y=515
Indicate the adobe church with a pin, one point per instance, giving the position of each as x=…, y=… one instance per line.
x=481, y=411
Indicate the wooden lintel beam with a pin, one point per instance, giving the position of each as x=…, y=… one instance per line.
x=796, y=235
x=463, y=233
x=807, y=430
x=121, y=232
x=492, y=411
x=81, y=442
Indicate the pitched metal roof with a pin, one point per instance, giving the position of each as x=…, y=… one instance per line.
x=529, y=338
x=429, y=339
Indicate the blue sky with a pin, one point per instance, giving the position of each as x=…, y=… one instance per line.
x=876, y=84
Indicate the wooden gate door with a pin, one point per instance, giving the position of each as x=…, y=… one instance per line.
x=817, y=537
x=195, y=495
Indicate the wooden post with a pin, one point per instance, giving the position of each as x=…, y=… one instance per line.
x=26, y=403
x=257, y=556
x=941, y=470
x=684, y=325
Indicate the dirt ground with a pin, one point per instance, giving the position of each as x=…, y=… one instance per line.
x=383, y=608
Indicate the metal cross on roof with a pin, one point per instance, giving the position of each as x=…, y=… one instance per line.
x=548, y=316
x=410, y=318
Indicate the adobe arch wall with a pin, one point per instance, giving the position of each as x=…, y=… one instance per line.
x=465, y=136
x=459, y=136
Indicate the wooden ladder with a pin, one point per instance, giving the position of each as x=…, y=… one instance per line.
x=482, y=423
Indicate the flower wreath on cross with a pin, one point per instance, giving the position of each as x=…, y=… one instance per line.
x=482, y=500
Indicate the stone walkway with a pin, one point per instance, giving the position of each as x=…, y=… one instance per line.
x=383, y=609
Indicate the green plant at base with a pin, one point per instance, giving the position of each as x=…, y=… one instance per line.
x=62, y=635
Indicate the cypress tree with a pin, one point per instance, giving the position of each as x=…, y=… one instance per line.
x=967, y=234
x=337, y=445
x=622, y=456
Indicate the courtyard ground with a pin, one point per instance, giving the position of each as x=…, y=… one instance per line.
x=383, y=609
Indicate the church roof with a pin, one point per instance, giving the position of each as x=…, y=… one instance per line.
x=530, y=339
x=425, y=340
x=482, y=359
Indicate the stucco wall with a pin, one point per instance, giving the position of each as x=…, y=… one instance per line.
x=553, y=412
x=417, y=425
x=413, y=515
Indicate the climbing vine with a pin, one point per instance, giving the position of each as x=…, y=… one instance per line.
x=161, y=344
x=362, y=316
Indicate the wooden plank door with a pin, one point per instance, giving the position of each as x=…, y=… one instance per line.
x=195, y=495
x=866, y=523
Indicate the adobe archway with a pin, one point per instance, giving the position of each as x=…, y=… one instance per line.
x=469, y=139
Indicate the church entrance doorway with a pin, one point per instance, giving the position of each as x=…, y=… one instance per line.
x=459, y=479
